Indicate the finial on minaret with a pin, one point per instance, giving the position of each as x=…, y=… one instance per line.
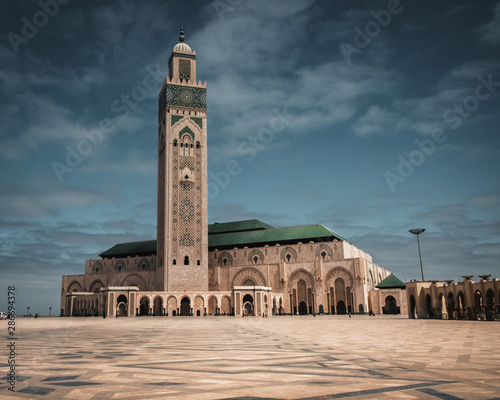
x=181, y=38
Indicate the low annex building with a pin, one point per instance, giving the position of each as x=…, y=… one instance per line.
x=389, y=297
x=460, y=300
x=232, y=268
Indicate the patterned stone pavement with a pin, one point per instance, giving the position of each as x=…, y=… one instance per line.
x=324, y=357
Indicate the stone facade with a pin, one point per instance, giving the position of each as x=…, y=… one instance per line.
x=241, y=268
x=306, y=278
x=461, y=300
x=299, y=279
x=388, y=301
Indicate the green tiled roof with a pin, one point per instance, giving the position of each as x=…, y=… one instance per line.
x=145, y=248
x=251, y=233
x=391, y=282
x=272, y=236
x=237, y=226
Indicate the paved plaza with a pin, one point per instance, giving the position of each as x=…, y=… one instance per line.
x=324, y=357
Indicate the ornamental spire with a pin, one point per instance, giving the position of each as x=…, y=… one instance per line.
x=181, y=38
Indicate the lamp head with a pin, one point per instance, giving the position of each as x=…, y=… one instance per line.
x=416, y=231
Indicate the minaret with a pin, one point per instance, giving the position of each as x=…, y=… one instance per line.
x=182, y=176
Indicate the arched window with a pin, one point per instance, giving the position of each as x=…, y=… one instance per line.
x=224, y=261
x=119, y=268
x=186, y=260
x=187, y=147
x=323, y=255
x=288, y=257
x=143, y=267
x=256, y=259
x=174, y=262
x=96, y=270
x=198, y=262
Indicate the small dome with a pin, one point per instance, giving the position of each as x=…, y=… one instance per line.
x=182, y=47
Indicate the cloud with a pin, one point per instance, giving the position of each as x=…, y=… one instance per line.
x=490, y=32
x=489, y=201
x=240, y=212
x=34, y=198
x=375, y=120
x=128, y=161
x=422, y=115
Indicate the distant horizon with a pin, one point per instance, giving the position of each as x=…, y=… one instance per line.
x=367, y=118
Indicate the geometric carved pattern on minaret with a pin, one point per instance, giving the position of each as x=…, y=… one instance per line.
x=186, y=195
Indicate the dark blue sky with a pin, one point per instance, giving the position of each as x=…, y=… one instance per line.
x=368, y=117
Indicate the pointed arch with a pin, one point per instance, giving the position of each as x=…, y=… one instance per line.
x=255, y=257
x=288, y=254
x=339, y=272
x=135, y=280
x=199, y=306
x=74, y=287
x=172, y=306
x=120, y=266
x=97, y=267
x=212, y=305
x=225, y=259
x=95, y=286
x=301, y=286
x=158, y=306
x=225, y=306
x=185, y=130
x=324, y=252
x=298, y=275
x=143, y=264
x=249, y=273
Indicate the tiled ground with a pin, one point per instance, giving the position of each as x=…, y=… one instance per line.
x=327, y=357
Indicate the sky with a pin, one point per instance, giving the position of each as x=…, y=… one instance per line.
x=369, y=117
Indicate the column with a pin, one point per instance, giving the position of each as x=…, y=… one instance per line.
x=131, y=304
x=237, y=305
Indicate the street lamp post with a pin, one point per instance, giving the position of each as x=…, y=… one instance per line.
x=28, y=313
x=418, y=232
x=50, y=311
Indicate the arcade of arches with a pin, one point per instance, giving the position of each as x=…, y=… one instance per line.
x=462, y=300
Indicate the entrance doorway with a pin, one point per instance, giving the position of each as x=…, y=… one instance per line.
x=412, y=306
x=450, y=305
x=428, y=304
x=185, y=307
x=122, y=308
x=302, y=308
x=157, y=306
x=390, y=306
x=248, y=304
x=341, y=309
x=144, y=306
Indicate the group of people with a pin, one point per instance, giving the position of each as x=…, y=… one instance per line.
x=4, y=316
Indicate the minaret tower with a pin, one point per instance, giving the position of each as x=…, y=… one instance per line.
x=182, y=176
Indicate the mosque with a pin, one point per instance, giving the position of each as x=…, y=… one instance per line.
x=241, y=268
